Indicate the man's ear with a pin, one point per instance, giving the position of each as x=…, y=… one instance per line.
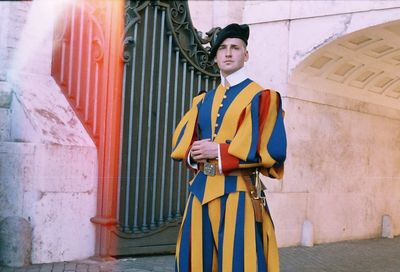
x=246, y=56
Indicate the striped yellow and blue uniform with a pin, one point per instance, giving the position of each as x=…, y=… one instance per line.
x=218, y=231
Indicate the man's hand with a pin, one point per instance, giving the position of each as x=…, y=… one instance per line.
x=203, y=150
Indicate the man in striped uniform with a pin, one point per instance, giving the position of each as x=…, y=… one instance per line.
x=229, y=135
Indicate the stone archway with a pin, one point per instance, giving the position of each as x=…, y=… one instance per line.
x=364, y=63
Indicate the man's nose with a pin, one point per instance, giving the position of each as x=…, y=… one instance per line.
x=228, y=52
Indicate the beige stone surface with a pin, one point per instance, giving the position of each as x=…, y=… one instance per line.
x=348, y=163
x=226, y=12
x=197, y=11
x=69, y=169
x=268, y=11
x=14, y=161
x=60, y=231
x=308, y=35
x=54, y=188
x=288, y=211
x=45, y=118
x=48, y=166
x=268, y=60
x=30, y=35
x=208, y=14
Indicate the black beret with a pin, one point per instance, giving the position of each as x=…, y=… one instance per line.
x=230, y=31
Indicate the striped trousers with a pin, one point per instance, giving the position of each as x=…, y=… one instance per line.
x=222, y=236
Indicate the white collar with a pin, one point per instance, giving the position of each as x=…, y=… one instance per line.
x=235, y=78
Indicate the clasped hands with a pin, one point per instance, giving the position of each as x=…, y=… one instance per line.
x=204, y=149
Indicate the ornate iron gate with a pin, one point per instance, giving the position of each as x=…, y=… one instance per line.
x=165, y=65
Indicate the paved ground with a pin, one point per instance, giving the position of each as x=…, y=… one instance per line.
x=375, y=255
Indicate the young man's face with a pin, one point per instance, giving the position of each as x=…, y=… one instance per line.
x=231, y=56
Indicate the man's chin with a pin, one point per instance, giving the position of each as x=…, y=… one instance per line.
x=227, y=72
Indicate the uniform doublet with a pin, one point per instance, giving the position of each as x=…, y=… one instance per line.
x=247, y=123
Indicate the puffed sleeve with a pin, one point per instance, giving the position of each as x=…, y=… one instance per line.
x=260, y=139
x=272, y=143
x=183, y=135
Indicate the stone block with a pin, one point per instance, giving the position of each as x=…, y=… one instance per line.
x=68, y=168
x=322, y=30
x=373, y=17
x=330, y=151
x=225, y=12
x=329, y=28
x=200, y=22
x=288, y=213
x=256, y=12
x=16, y=168
x=41, y=184
x=268, y=58
x=344, y=216
x=44, y=118
x=307, y=9
x=15, y=242
x=63, y=231
x=37, y=32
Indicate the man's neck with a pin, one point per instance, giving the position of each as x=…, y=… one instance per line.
x=234, y=78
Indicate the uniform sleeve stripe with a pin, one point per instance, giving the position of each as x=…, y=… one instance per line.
x=180, y=136
x=277, y=142
x=252, y=156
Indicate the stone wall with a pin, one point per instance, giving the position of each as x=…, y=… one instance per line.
x=342, y=169
x=48, y=163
